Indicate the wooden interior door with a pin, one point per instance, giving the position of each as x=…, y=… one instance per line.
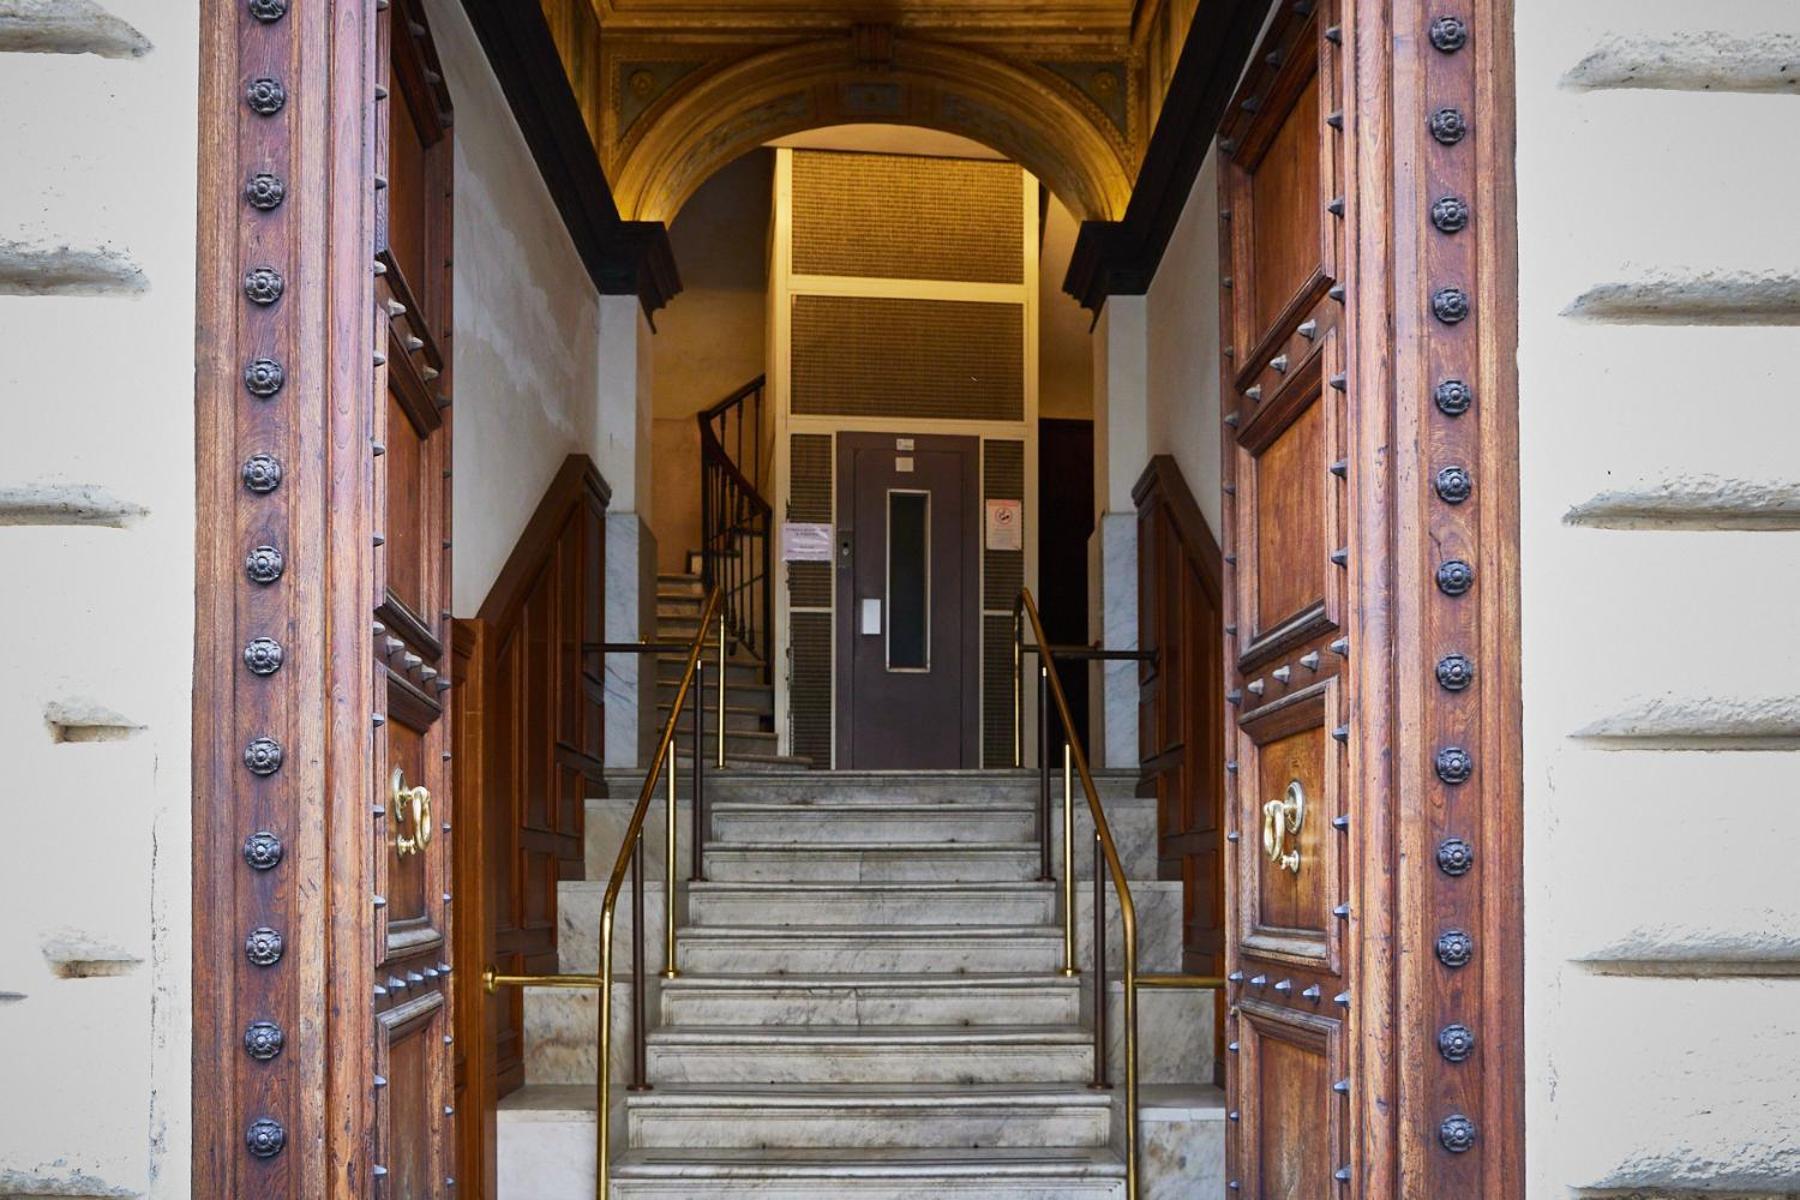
x=1288, y=1027
x=414, y=1137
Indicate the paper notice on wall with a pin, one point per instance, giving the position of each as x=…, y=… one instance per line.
x=1005, y=524
x=806, y=541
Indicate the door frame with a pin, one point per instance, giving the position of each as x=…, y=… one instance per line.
x=969, y=446
x=1435, y=836
x=284, y=1108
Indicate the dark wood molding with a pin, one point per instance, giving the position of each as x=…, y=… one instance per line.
x=1120, y=258
x=1180, y=707
x=1162, y=478
x=623, y=258
x=578, y=479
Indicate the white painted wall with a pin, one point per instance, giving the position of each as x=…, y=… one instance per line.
x=527, y=351
x=97, y=401
x=1182, y=403
x=1659, y=295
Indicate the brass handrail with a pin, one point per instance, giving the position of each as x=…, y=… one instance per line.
x=1106, y=850
x=628, y=848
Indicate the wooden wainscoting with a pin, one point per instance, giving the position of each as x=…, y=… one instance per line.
x=527, y=739
x=1180, y=723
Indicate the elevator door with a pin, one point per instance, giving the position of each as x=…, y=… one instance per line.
x=908, y=607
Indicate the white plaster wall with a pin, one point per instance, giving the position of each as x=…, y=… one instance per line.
x=1183, y=346
x=1660, y=488
x=527, y=348
x=97, y=408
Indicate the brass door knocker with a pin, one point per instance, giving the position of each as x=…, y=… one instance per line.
x=1281, y=822
x=409, y=804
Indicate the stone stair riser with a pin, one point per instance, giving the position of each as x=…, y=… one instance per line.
x=847, y=1124
x=832, y=864
x=814, y=953
x=757, y=698
x=737, y=720
x=748, y=1063
x=722, y=904
x=777, y=823
x=867, y=1189
x=882, y=1004
x=669, y=666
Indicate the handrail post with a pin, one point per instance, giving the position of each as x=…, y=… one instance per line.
x=638, y=1081
x=1101, y=1080
x=1068, y=888
x=698, y=873
x=1018, y=682
x=669, y=853
x=1043, y=774
x=603, y=1072
x=768, y=599
x=722, y=673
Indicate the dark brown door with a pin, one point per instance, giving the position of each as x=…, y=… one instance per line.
x=411, y=785
x=1288, y=1025
x=907, y=577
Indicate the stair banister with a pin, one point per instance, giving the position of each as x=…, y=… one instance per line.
x=630, y=861
x=1106, y=862
x=737, y=522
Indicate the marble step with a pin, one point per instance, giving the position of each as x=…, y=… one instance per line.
x=889, y=862
x=764, y=821
x=808, y=904
x=893, y=904
x=881, y=789
x=752, y=697
x=741, y=739
x=889, y=998
x=747, y=717
x=737, y=673
x=1075, y=1173
x=857, y=1116
x=868, y=949
x=898, y=1054
x=749, y=761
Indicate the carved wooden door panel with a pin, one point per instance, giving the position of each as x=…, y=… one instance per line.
x=1287, y=1032
x=414, y=1142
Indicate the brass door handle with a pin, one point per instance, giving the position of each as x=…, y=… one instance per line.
x=1282, y=820
x=409, y=804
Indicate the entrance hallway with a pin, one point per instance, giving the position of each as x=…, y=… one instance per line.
x=870, y=1004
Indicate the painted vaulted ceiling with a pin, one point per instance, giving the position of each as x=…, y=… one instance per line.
x=672, y=90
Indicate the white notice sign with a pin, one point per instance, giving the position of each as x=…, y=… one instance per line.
x=806, y=541
x=1005, y=524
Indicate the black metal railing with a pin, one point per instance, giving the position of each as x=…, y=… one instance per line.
x=737, y=523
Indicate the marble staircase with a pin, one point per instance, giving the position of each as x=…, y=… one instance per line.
x=751, y=742
x=869, y=1006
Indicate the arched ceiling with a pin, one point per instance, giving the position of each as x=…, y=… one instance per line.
x=672, y=90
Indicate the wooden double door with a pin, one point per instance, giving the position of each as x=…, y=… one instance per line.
x=1373, y=953
x=1284, y=466
x=412, y=797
